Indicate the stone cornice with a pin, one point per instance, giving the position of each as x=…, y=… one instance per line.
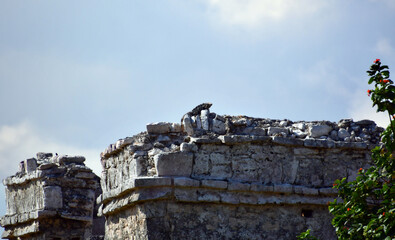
x=185, y=189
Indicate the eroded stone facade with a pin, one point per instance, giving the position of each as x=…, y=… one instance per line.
x=51, y=197
x=230, y=177
x=184, y=220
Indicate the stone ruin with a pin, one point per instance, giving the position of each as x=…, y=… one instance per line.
x=52, y=197
x=210, y=177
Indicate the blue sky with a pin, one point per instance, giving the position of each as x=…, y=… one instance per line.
x=76, y=76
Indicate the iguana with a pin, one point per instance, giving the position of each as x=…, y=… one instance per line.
x=196, y=111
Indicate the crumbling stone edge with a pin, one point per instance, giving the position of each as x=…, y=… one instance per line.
x=184, y=189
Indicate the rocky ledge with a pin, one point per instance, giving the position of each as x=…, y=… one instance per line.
x=201, y=125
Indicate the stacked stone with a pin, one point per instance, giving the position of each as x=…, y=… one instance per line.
x=345, y=130
x=51, y=197
x=212, y=169
x=211, y=125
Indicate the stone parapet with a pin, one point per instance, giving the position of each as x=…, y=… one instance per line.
x=51, y=197
x=270, y=159
x=227, y=163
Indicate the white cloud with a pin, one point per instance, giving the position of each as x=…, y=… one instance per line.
x=21, y=141
x=384, y=47
x=255, y=13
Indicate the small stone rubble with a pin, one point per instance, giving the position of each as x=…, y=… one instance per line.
x=346, y=133
x=51, y=197
x=224, y=163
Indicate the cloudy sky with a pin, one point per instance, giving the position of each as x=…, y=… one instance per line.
x=76, y=76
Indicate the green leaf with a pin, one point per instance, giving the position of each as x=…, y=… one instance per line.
x=383, y=67
x=371, y=73
x=386, y=74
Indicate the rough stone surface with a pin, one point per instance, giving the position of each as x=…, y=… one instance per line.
x=174, y=164
x=343, y=133
x=30, y=164
x=277, y=130
x=231, y=177
x=187, y=124
x=51, y=198
x=320, y=130
x=204, y=116
x=172, y=220
x=159, y=127
x=219, y=126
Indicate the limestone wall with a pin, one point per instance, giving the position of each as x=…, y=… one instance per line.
x=230, y=177
x=51, y=197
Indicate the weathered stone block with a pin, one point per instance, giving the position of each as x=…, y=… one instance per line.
x=42, y=155
x=287, y=141
x=300, y=126
x=53, y=197
x=218, y=159
x=277, y=130
x=151, y=181
x=284, y=188
x=228, y=197
x=319, y=130
x=46, y=166
x=305, y=151
x=65, y=159
x=201, y=164
x=188, y=195
x=187, y=125
x=219, y=126
x=343, y=133
x=259, y=187
x=159, y=127
x=208, y=196
x=255, y=131
x=220, y=171
x=175, y=127
x=174, y=164
x=328, y=191
x=299, y=134
x=85, y=175
x=188, y=147
x=248, y=198
x=310, y=191
x=186, y=182
x=320, y=143
x=215, y=184
x=21, y=167
x=238, y=186
x=30, y=164
x=204, y=116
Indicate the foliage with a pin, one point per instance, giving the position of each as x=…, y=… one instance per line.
x=366, y=206
x=306, y=235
